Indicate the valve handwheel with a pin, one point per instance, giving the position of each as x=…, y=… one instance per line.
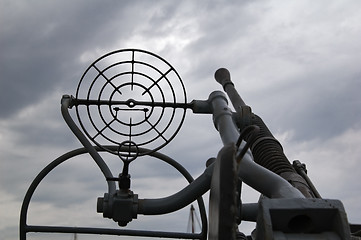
x=131, y=98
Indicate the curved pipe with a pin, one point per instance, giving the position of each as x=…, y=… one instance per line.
x=178, y=200
x=24, y=228
x=65, y=104
x=24, y=208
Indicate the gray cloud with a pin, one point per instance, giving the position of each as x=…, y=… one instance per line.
x=41, y=47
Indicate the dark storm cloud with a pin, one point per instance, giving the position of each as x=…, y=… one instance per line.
x=42, y=42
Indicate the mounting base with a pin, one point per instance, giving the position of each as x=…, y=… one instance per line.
x=300, y=219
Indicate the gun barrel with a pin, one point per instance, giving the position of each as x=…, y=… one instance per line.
x=223, y=77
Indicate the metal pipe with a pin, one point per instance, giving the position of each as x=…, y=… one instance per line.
x=178, y=200
x=256, y=176
x=249, y=212
x=109, y=231
x=24, y=228
x=65, y=103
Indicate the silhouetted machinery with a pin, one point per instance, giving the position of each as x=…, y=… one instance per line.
x=131, y=103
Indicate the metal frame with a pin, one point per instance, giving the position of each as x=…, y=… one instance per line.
x=142, y=76
x=289, y=206
x=25, y=228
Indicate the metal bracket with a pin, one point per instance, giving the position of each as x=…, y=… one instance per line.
x=300, y=219
x=121, y=207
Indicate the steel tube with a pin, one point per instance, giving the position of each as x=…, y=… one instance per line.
x=24, y=228
x=223, y=77
x=178, y=200
x=109, y=231
x=254, y=175
x=65, y=103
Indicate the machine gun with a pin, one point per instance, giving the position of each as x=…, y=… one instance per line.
x=131, y=103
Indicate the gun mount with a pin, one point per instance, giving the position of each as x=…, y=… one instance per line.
x=131, y=103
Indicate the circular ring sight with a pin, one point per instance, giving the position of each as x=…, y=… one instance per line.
x=131, y=95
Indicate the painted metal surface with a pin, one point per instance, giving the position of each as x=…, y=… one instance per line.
x=121, y=102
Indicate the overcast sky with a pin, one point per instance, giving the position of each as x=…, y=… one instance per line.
x=296, y=63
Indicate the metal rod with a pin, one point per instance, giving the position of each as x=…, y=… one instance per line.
x=109, y=231
x=24, y=228
x=197, y=106
x=130, y=103
x=301, y=169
